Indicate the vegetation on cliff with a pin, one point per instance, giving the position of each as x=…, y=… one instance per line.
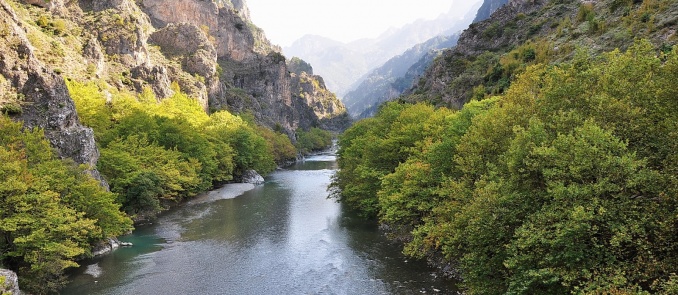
x=565, y=184
x=50, y=210
x=492, y=53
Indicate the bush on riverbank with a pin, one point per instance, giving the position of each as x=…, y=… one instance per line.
x=313, y=140
x=51, y=211
x=154, y=152
x=567, y=184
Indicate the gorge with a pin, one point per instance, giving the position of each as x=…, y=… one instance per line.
x=532, y=153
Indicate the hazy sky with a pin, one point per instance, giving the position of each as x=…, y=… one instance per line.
x=285, y=21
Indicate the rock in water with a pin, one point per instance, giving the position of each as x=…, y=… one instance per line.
x=251, y=176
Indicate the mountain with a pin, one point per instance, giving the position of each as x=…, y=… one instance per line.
x=248, y=64
x=343, y=64
x=386, y=83
x=488, y=7
x=491, y=53
x=210, y=49
x=389, y=80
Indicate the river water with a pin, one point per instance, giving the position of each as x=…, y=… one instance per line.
x=282, y=237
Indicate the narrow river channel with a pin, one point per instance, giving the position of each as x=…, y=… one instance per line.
x=282, y=237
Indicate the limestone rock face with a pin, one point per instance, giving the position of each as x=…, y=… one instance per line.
x=324, y=106
x=192, y=44
x=262, y=86
x=228, y=22
x=58, y=7
x=253, y=76
x=194, y=12
x=11, y=282
x=93, y=53
x=122, y=28
x=42, y=95
x=154, y=76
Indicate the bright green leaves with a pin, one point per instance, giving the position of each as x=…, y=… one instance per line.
x=388, y=140
x=157, y=152
x=50, y=210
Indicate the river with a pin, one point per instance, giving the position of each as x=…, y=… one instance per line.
x=282, y=237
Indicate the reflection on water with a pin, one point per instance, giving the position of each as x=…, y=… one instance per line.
x=283, y=237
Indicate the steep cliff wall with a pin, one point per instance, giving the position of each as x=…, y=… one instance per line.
x=491, y=53
x=35, y=94
x=253, y=74
x=210, y=49
x=324, y=105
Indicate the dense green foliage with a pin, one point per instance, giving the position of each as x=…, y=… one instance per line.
x=50, y=210
x=566, y=184
x=313, y=140
x=153, y=152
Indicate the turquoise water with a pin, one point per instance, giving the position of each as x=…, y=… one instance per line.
x=283, y=237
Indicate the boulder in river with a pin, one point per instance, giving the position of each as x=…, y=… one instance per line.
x=251, y=176
x=105, y=247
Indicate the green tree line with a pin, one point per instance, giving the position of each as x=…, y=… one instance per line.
x=565, y=184
x=154, y=153
x=51, y=211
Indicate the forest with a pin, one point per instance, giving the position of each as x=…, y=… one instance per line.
x=564, y=183
x=153, y=155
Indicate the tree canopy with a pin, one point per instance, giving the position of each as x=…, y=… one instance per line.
x=565, y=184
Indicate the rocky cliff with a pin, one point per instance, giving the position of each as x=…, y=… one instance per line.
x=37, y=95
x=490, y=53
x=311, y=90
x=253, y=75
x=210, y=49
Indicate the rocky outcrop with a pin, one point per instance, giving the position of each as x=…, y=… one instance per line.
x=252, y=177
x=235, y=36
x=10, y=282
x=41, y=95
x=107, y=246
x=94, y=55
x=122, y=29
x=447, y=81
x=297, y=66
x=243, y=72
x=188, y=42
x=310, y=90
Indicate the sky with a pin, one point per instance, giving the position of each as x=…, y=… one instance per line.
x=285, y=21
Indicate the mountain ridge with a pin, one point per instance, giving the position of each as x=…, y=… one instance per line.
x=342, y=63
